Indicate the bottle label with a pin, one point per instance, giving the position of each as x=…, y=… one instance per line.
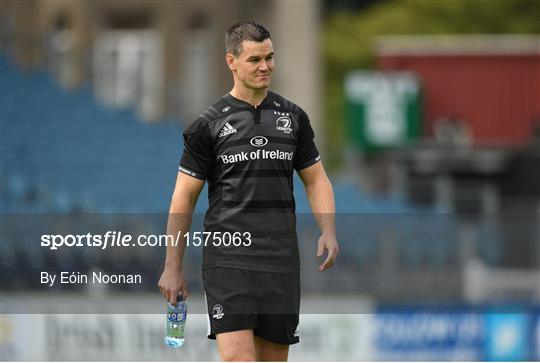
x=172, y=316
x=176, y=315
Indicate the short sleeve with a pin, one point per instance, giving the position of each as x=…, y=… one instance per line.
x=306, y=151
x=198, y=156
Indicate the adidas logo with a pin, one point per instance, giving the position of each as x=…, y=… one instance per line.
x=227, y=130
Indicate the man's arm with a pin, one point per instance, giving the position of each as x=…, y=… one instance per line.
x=186, y=193
x=321, y=199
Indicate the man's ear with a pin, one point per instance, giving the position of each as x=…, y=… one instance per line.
x=229, y=59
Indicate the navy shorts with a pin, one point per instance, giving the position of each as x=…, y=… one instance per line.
x=267, y=302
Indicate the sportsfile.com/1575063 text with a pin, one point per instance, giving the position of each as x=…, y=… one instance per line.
x=119, y=239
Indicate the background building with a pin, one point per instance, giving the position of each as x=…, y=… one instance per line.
x=160, y=57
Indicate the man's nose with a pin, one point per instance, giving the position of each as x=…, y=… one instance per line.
x=263, y=66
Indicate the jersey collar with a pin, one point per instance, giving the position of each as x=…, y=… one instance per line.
x=233, y=101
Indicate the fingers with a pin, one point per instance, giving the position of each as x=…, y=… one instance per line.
x=173, y=294
x=329, y=262
x=320, y=249
x=163, y=292
x=330, y=259
x=172, y=297
x=170, y=285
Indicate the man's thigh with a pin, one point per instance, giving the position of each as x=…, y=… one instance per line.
x=236, y=346
x=266, y=351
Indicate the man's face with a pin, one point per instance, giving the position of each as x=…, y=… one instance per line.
x=254, y=65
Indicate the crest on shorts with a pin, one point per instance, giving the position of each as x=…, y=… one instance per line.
x=217, y=311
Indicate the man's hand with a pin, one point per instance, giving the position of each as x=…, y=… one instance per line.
x=171, y=282
x=329, y=243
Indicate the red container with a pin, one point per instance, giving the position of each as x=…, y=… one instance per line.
x=492, y=83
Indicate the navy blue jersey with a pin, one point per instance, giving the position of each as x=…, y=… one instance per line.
x=248, y=155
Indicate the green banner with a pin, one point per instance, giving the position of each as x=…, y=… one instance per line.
x=383, y=110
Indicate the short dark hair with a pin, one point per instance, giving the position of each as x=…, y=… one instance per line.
x=245, y=30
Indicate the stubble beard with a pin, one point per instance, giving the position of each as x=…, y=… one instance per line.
x=260, y=86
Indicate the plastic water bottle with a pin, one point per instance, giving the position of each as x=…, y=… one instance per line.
x=176, y=322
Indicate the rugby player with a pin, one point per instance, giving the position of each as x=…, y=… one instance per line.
x=247, y=146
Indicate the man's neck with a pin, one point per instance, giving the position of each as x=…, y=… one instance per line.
x=252, y=96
